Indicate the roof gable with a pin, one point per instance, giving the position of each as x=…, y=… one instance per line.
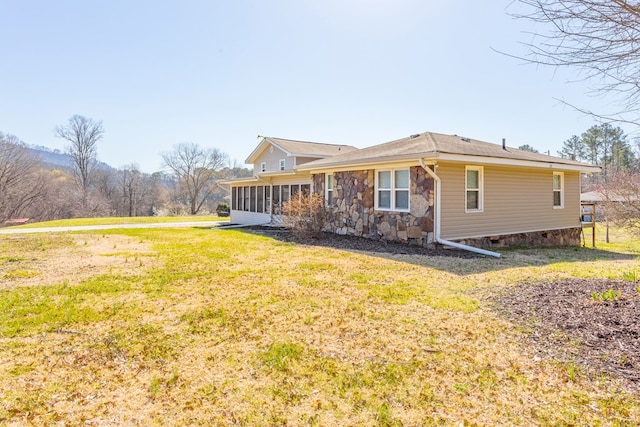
x=299, y=148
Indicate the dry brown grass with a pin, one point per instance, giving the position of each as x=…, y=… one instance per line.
x=226, y=327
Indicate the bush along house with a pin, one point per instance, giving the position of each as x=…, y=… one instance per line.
x=424, y=189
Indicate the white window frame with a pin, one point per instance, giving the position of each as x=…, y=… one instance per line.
x=393, y=189
x=329, y=189
x=480, y=189
x=559, y=190
x=283, y=164
x=263, y=167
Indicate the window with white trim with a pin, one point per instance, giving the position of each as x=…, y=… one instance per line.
x=558, y=190
x=473, y=186
x=392, y=189
x=282, y=164
x=263, y=167
x=329, y=189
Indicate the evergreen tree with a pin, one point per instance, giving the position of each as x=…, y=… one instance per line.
x=573, y=149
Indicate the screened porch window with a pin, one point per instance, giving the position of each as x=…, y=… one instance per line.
x=234, y=198
x=260, y=199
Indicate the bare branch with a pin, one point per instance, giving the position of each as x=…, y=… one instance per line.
x=83, y=135
x=196, y=169
x=600, y=38
x=21, y=181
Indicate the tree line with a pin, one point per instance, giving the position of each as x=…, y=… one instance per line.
x=605, y=146
x=31, y=189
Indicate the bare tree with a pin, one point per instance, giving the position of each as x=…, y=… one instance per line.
x=196, y=170
x=22, y=182
x=83, y=135
x=622, y=200
x=138, y=192
x=598, y=37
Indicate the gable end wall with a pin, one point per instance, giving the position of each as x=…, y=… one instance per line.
x=272, y=160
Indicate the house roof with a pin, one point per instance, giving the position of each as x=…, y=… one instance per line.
x=300, y=148
x=434, y=146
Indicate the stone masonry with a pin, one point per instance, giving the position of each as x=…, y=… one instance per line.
x=353, y=213
x=353, y=209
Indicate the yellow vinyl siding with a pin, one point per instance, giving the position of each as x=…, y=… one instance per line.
x=516, y=200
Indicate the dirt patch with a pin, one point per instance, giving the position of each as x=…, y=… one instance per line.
x=570, y=321
x=361, y=244
x=86, y=256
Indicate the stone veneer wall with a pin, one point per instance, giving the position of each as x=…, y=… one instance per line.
x=353, y=210
x=561, y=237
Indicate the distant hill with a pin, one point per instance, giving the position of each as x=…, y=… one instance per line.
x=52, y=158
x=55, y=159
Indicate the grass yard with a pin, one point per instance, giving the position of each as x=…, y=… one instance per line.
x=121, y=220
x=227, y=327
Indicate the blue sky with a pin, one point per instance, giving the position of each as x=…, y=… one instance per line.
x=219, y=73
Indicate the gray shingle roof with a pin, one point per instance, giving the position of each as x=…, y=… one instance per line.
x=310, y=149
x=300, y=148
x=429, y=144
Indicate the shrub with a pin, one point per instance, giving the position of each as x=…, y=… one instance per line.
x=305, y=215
x=222, y=209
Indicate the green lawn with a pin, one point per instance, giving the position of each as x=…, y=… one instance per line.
x=215, y=327
x=121, y=220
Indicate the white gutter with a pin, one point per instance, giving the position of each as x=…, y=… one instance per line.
x=436, y=220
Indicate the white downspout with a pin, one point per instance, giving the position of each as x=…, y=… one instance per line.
x=436, y=220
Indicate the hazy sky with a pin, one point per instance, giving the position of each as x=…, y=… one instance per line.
x=219, y=73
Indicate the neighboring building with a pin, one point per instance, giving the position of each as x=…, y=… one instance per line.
x=422, y=189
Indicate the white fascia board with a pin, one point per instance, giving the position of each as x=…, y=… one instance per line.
x=391, y=161
x=239, y=180
x=404, y=160
x=256, y=151
x=485, y=160
x=261, y=147
x=261, y=177
x=276, y=174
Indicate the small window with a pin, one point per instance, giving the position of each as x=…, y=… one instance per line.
x=263, y=167
x=558, y=190
x=401, y=189
x=473, y=188
x=329, y=189
x=282, y=164
x=392, y=191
